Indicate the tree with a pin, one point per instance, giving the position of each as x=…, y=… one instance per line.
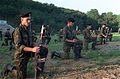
x=93, y=18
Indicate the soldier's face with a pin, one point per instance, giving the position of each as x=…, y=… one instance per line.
x=70, y=24
x=25, y=21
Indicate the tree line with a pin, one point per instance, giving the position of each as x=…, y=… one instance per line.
x=43, y=13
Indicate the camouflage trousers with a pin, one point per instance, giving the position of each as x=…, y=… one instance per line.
x=21, y=67
x=109, y=37
x=86, y=43
x=77, y=47
x=21, y=64
x=102, y=40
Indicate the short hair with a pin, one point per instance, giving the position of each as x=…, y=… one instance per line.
x=71, y=20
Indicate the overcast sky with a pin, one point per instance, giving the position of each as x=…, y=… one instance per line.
x=86, y=5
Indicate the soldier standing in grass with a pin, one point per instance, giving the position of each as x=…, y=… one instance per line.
x=7, y=37
x=88, y=38
x=23, y=49
x=71, y=41
x=103, y=34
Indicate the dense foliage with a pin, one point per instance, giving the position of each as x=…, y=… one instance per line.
x=54, y=16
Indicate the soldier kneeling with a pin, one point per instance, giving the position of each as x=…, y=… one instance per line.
x=41, y=58
x=77, y=47
x=89, y=38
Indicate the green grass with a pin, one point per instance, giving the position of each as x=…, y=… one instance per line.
x=116, y=36
x=100, y=57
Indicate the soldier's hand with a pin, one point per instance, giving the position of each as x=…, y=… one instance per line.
x=36, y=49
x=105, y=36
x=75, y=40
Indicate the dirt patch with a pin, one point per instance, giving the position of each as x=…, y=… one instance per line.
x=104, y=72
x=87, y=69
x=84, y=68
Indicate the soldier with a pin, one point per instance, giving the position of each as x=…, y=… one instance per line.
x=103, y=34
x=45, y=34
x=88, y=38
x=7, y=37
x=11, y=42
x=108, y=33
x=71, y=41
x=23, y=49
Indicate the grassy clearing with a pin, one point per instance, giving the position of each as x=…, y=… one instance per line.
x=99, y=56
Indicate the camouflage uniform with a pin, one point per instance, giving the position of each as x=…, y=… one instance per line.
x=7, y=37
x=102, y=35
x=88, y=38
x=21, y=40
x=69, y=33
x=108, y=33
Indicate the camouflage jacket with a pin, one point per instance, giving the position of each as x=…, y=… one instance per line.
x=87, y=34
x=68, y=33
x=21, y=38
x=103, y=30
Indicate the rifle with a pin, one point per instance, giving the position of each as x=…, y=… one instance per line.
x=40, y=58
x=31, y=42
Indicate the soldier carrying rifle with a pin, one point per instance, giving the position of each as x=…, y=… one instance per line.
x=71, y=41
x=88, y=38
x=23, y=49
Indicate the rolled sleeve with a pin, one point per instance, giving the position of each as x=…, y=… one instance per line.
x=64, y=34
x=18, y=41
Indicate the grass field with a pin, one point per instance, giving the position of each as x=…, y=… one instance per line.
x=101, y=56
